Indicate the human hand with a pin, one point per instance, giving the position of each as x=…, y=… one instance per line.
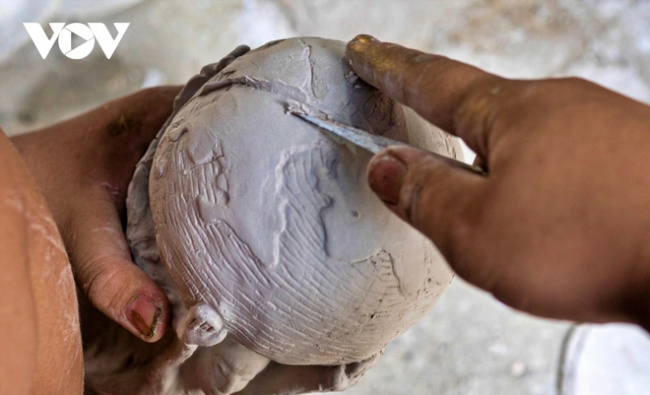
x=83, y=167
x=559, y=226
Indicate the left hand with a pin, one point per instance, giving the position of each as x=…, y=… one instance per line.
x=83, y=166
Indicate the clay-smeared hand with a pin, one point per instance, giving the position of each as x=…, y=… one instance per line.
x=83, y=167
x=560, y=225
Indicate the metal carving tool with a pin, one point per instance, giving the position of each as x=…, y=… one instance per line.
x=370, y=142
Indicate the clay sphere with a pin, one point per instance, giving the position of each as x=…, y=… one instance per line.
x=263, y=230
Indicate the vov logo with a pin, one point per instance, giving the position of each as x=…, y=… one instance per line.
x=88, y=33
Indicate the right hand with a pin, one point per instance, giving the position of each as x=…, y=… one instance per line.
x=560, y=225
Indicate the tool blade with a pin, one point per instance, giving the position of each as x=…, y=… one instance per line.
x=358, y=137
x=367, y=141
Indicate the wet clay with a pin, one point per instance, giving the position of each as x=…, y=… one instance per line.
x=285, y=272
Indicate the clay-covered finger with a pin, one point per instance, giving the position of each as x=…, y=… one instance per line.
x=438, y=88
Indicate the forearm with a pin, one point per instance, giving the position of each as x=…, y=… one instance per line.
x=17, y=310
x=41, y=347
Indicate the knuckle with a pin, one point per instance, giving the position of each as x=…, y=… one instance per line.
x=416, y=195
x=479, y=104
x=518, y=95
x=462, y=230
x=102, y=283
x=419, y=75
x=540, y=93
x=435, y=208
x=497, y=104
x=580, y=90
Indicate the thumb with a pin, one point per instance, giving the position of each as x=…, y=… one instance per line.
x=102, y=265
x=434, y=194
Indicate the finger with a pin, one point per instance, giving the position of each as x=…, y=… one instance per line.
x=123, y=133
x=430, y=192
x=133, y=121
x=100, y=254
x=452, y=95
x=103, y=268
x=153, y=106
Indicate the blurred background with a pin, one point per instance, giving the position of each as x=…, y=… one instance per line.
x=469, y=343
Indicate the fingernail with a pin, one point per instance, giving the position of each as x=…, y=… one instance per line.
x=385, y=177
x=143, y=314
x=364, y=39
